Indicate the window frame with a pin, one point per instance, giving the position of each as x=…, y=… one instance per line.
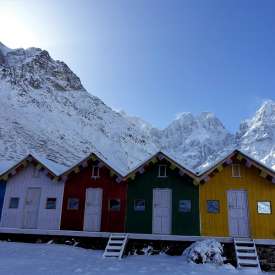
x=109, y=205
x=68, y=204
x=36, y=173
x=189, y=209
x=159, y=170
x=239, y=170
x=17, y=206
x=55, y=204
x=219, y=207
x=95, y=168
x=139, y=210
x=270, y=207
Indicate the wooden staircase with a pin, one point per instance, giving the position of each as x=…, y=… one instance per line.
x=246, y=254
x=115, y=246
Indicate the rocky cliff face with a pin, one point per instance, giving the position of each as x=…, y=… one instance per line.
x=45, y=110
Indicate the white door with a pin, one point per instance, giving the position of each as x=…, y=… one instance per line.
x=31, y=208
x=93, y=206
x=238, y=213
x=162, y=202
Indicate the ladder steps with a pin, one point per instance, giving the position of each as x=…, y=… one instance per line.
x=246, y=254
x=115, y=246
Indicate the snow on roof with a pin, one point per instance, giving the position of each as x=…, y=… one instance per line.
x=54, y=167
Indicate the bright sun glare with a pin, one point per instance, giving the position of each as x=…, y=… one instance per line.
x=14, y=32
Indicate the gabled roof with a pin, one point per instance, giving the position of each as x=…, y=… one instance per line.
x=159, y=156
x=12, y=169
x=250, y=161
x=83, y=163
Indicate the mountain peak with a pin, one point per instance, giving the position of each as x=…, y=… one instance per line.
x=33, y=69
x=4, y=49
x=267, y=110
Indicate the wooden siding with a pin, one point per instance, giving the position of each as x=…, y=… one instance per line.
x=258, y=189
x=75, y=187
x=182, y=189
x=18, y=185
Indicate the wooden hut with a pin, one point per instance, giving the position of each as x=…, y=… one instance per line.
x=237, y=198
x=94, y=197
x=33, y=196
x=163, y=198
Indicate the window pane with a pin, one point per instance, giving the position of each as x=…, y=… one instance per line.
x=51, y=203
x=14, y=203
x=185, y=206
x=264, y=207
x=114, y=204
x=73, y=204
x=162, y=171
x=236, y=170
x=213, y=206
x=95, y=172
x=139, y=205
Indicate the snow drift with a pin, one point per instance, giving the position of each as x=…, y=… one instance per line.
x=206, y=251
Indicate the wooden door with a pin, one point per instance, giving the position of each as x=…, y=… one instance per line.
x=31, y=208
x=162, y=202
x=238, y=213
x=93, y=207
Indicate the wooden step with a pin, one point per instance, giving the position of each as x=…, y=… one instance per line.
x=112, y=254
x=113, y=247
x=248, y=248
x=116, y=241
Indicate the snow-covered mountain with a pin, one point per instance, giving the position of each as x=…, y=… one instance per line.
x=257, y=135
x=45, y=110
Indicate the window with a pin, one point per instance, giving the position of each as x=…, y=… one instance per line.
x=139, y=205
x=185, y=206
x=73, y=204
x=35, y=173
x=213, y=206
x=114, y=205
x=95, y=172
x=51, y=203
x=236, y=171
x=162, y=171
x=14, y=203
x=264, y=207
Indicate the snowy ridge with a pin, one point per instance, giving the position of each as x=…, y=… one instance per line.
x=47, y=112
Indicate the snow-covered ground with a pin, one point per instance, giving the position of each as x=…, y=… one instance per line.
x=28, y=259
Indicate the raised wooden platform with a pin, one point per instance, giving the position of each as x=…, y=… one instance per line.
x=133, y=236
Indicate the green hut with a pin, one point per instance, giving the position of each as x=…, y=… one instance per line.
x=162, y=198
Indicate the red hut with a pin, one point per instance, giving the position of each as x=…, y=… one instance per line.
x=94, y=197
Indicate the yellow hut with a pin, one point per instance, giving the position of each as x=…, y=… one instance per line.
x=237, y=199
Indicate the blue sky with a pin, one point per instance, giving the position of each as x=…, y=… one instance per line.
x=156, y=59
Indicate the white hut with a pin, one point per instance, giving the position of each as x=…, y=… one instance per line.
x=34, y=195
